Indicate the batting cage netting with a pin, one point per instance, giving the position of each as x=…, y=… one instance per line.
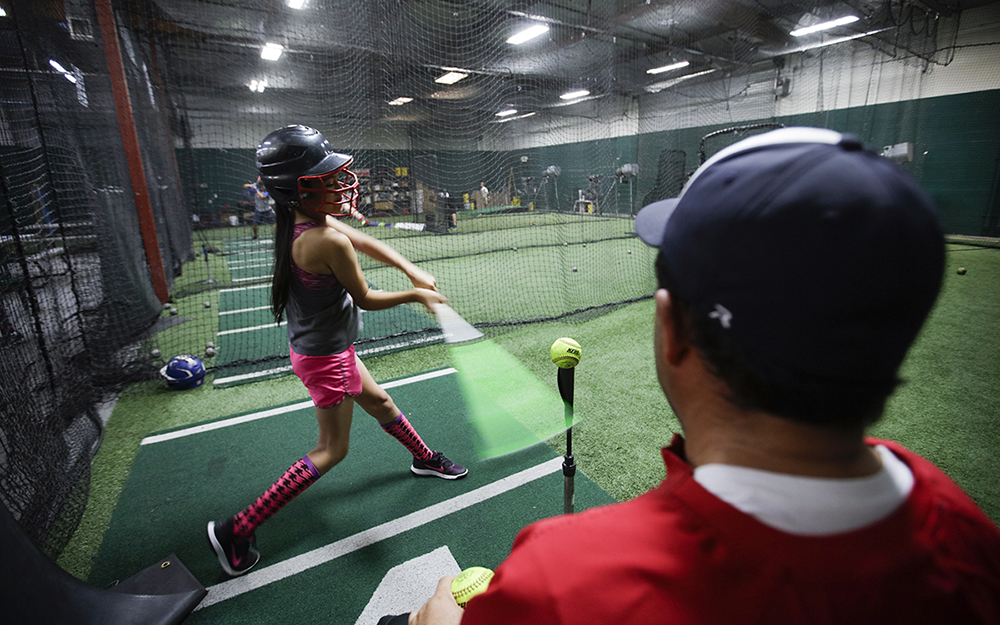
x=510, y=170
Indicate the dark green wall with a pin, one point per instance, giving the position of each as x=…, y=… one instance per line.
x=956, y=150
x=217, y=175
x=956, y=159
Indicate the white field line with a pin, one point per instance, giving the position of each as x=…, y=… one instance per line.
x=245, y=288
x=249, y=376
x=235, y=266
x=198, y=429
x=252, y=328
x=268, y=372
x=243, y=310
x=298, y=564
x=382, y=348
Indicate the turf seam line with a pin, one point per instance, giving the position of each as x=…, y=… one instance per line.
x=298, y=564
x=207, y=427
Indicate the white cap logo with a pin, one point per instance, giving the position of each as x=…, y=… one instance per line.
x=723, y=315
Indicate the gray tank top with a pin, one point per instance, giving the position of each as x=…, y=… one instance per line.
x=322, y=317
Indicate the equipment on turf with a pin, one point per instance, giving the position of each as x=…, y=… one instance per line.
x=565, y=353
x=183, y=372
x=469, y=583
x=291, y=156
x=626, y=175
x=550, y=174
x=208, y=270
x=404, y=225
x=961, y=271
x=35, y=589
x=454, y=328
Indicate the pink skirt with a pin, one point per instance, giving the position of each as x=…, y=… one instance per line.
x=328, y=378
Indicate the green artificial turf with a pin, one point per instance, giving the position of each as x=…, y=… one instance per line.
x=947, y=411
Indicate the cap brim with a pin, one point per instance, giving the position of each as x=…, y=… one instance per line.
x=651, y=222
x=331, y=162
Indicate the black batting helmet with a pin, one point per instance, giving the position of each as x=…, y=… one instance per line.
x=290, y=155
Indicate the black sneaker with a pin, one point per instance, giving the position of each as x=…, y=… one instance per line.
x=236, y=555
x=439, y=466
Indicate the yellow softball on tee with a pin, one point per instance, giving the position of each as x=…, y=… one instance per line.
x=565, y=353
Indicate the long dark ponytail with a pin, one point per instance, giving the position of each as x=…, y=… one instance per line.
x=282, y=279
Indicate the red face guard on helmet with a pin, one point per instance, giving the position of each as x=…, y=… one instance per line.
x=339, y=187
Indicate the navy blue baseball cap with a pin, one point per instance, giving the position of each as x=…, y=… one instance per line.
x=805, y=251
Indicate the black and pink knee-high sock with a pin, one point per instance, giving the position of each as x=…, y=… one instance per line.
x=295, y=480
x=404, y=433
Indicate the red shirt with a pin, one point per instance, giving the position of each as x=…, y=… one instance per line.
x=680, y=555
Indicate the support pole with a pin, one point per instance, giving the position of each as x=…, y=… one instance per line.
x=569, y=463
x=130, y=142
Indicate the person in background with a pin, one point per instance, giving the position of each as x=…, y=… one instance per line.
x=263, y=212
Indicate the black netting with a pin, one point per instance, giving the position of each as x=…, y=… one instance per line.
x=124, y=163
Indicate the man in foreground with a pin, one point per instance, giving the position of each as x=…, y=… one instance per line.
x=795, y=271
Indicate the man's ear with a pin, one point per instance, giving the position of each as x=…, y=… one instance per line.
x=672, y=340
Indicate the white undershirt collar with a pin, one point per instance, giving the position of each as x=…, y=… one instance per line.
x=811, y=506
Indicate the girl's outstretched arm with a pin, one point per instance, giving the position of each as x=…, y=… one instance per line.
x=382, y=252
x=335, y=250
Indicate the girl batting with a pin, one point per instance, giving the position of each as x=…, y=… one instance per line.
x=319, y=285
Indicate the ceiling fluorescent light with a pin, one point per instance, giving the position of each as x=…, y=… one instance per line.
x=3, y=13
x=451, y=78
x=572, y=95
x=271, y=51
x=70, y=77
x=258, y=86
x=56, y=66
x=656, y=87
x=510, y=119
x=835, y=40
x=528, y=34
x=296, y=4
x=667, y=68
x=506, y=113
x=400, y=100
x=847, y=19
